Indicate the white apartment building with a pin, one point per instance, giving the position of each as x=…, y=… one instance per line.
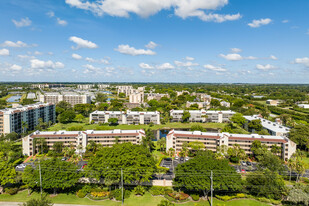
x=128, y=89
x=85, y=86
x=156, y=96
x=103, y=86
x=225, y=104
x=203, y=115
x=129, y=117
x=70, y=98
x=200, y=104
x=175, y=140
x=79, y=139
x=136, y=97
x=272, y=102
x=305, y=106
x=11, y=119
x=273, y=128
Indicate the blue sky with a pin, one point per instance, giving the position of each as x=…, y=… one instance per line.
x=211, y=41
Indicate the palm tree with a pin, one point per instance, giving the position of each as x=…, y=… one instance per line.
x=291, y=165
x=275, y=149
x=24, y=125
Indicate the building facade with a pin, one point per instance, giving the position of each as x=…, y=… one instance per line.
x=212, y=141
x=80, y=139
x=203, y=115
x=15, y=119
x=273, y=128
x=136, y=97
x=129, y=117
x=70, y=98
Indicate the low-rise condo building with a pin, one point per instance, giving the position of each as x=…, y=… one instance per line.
x=128, y=117
x=70, y=98
x=26, y=118
x=203, y=115
x=211, y=141
x=79, y=139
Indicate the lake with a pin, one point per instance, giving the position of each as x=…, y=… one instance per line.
x=15, y=98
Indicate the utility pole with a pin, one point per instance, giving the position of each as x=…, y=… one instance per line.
x=40, y=177
x=211, y=188
x=122, y=186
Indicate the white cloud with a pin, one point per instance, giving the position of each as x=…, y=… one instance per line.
x=214, y=68
x=126, y=49
x=90, y=69
x=145, y=66
x=100, y=61
x=250, y=57
x=62, y=22
x=232, y=57
x=82, y=43
x=259, y=22
x=16, y=67
x=185, y=64
x=25, y=56
x=151, y=45
x=22, y=23
x=4, y=52
x=15, y=44
x=76, y=56
x=50, y=14
x=39, y=64
x=273, y=57
x=146, y=8
x=285, y=21
x=189, y=58
x=165, y=66
x=304, y=61
x=38, y=53
x=265, y=67
x=236, y=50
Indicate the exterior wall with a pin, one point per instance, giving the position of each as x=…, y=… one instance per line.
x=211, y=141
x=199, y=116
x=72, y=99
x=136, y=97
x=77, y=139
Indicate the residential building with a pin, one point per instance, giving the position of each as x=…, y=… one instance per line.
x=136, y=97
x=156, y=96
x=212, y=141
x=203, y=115
x=70, y=98
x=103, y=86
x=273, y=128
x=305, y=106
x=13, y=119
x=85, y=86
x=199, y=104
x=127, y=89
x=272, y=102
x=129, y=117
x=225, y=104
x=79, y=139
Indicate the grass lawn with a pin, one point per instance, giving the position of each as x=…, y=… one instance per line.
x=6, y=97
x=146, y=200
x=86, y=126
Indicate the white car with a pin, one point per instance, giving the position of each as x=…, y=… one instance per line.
x=187, y=158
x=176, y=158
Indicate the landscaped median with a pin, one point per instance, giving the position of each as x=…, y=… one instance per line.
x=146, y=200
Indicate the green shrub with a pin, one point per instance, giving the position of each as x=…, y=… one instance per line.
x=117, y=194
x=86, y=189
x=195, y=197
x=81, y=193
x=11, y=191
x=139, y=190
x=240, y=195
x=157, y=190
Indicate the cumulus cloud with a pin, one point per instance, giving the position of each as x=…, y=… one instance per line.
x=100, y=61
x=90, y=69
x=189, y=58
x=126, y=49
x=265, y=67
x=146, y=8
x=76, y=56
x=16, y=67
x=62, y=22
x=22, y=23
x=236, y=57
x=17, y=44
x=304, y=61
x=38, y=53
x=4, y=52
x=185, y=64
x=39, y=64
x=273, y=57
x=165, y=66
x=285, y=21
x=22, y=57
x=259, y=22
x=214, y=68
x=236, y=50
x=82, y=43
x=50, y=14
x=145, y=66
x=151, y=45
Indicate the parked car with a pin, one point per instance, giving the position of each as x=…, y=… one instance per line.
x=249, y=163
x=64, y=158
x=187, y=158
x=243, y=163
x=176, y=158
x=182, y=159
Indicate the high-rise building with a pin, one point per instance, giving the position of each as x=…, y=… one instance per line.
x=26, y=118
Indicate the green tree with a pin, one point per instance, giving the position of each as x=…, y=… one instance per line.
x=113, y=121
x=136, y=161
x=255, y=125
x=266, y=183
x=122, y=95
x=63, y=106
x=147, y=140
x=263, y=132
x=300, y=135
x=100, y=97
x=56, y=174
x=270, y=161
x=79, y=117
x=215, y=103
x=239, y=119
x=236, y=153
x=196, y=145
x=197, y=127
x=194, y=175
x=186, y=116
x=39, y=202
x=162, y=143
x=258, y=149
x=66, y=116
x=57, y=147
x=7, y=171
x=297, y=196
x=275, y=149
x=12, y=136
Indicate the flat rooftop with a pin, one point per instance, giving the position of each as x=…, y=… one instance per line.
x=273, y=126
